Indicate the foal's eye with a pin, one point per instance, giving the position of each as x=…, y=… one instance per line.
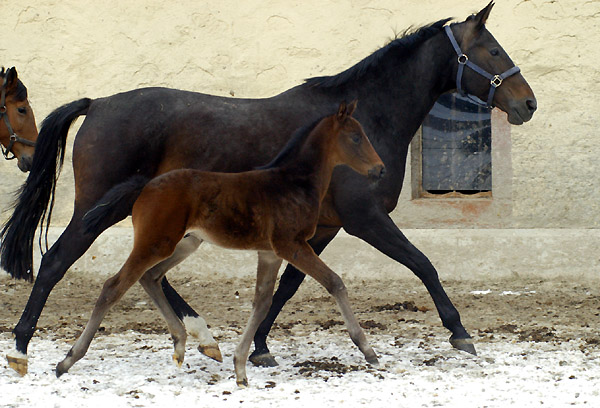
x=356, y=138
x=495, y=52
x=22, y=110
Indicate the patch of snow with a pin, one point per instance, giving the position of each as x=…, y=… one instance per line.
x=136, y=370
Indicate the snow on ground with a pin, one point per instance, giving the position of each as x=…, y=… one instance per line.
x=320, y=370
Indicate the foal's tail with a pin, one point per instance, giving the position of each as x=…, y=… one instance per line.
x=115, y=205
x=35, y=199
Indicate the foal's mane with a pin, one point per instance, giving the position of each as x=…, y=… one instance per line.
x=410, y=40
x=297, y=139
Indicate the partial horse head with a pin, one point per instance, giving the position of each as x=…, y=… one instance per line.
x=18, y=132
x=353, y=147
x=485, y=70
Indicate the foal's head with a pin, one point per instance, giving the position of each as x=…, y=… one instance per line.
x=18, y=131
x=510, y=91
x=351, y=146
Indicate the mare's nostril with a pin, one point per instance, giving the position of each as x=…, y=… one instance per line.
x=531, y=105
x=382, y=172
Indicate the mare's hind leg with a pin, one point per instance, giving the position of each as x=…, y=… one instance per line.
x=150, y=283
x=195, y=324
x=66, y=250
x=268, y=266
x=288, y=285
x=305, y=259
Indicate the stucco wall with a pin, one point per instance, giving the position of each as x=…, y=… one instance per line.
x=69, y=49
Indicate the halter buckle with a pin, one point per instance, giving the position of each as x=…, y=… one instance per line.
x=463, y=59
x=496, y=81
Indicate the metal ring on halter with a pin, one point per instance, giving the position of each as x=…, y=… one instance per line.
x=496, y=81
x=463, y=59
x=2, y=110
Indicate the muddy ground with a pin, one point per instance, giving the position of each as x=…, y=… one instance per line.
x=524, y=310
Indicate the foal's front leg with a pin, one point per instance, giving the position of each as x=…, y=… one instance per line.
x=304, y=258
x=266, y=275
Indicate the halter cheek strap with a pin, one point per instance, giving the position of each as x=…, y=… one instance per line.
x=13, y=137
x=463, y=60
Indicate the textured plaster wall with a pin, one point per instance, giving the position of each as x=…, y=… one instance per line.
x=68, y=49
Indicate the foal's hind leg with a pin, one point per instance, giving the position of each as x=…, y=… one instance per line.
x=304, y=258
x=113, y=289
x=151, y=284
x=268, y=266
x=195, y=324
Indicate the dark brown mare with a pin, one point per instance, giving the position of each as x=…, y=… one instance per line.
x=151, y=131
x=273, y=210
x=18, y=131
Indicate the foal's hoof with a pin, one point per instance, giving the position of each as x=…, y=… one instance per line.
x=463, y=345
x=243, y=383
x=18, y=363
x=212, y=351
x=263, y=360
x=60, y=369
x=178, y=359
x=373, y=360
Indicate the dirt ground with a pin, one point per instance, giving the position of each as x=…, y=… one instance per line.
x=523, y=310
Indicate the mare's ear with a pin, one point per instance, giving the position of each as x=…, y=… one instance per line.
x=481, y=18
x=11, y=78
x=352, y=107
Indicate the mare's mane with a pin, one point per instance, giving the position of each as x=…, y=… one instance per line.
x=404, y=45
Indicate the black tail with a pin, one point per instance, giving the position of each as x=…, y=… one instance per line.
x=115, y=205
x=35, y=198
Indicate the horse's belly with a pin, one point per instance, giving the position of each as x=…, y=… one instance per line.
x=231, y=240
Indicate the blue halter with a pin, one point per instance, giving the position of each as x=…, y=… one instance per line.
x=463, y=60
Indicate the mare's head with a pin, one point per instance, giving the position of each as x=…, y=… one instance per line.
x=352, y=146
x=497, y=81
x=18, y=132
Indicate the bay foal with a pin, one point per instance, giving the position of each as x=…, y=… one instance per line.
x=273, y=210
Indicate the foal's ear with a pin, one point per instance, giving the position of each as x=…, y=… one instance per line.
x=346, y=110
x=481, y=18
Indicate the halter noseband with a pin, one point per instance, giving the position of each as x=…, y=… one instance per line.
x=11, y=133
x=463, y=60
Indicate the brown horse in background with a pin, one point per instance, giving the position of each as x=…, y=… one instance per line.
x=18, y=132
x=273, y=210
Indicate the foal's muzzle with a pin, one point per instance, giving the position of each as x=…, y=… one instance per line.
x=377, y=172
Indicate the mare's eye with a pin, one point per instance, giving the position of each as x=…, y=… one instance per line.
x=22, y=110
x=495, y=52
x=356, y=138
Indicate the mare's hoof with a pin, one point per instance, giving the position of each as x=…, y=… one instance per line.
x=18, y=363
x=243, y=383
x=464, y=345
x=263, y=360
x=212, y=351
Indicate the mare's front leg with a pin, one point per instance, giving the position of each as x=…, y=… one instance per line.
x=288, y=285
x=304, y=258
x=378, y=229
x=266, y=275
x=195, y=324
x=66, y=250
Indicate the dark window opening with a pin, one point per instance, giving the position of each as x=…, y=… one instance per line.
x=457, y=148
